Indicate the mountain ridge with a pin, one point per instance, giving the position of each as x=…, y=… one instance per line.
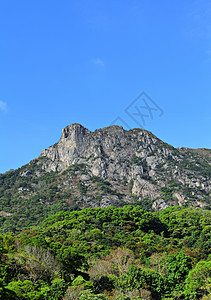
x=107, y=167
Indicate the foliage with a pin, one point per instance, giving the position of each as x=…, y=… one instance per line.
x=198, y=281
x=89, y=295
x=178, y=266
x=110, y=253
x=138, y=278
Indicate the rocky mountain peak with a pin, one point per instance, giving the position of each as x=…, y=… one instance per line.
x=78, y=143
x=108, y=167
x=73, y=131
x=137, y=157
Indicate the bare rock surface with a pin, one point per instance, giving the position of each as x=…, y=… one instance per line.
x=157, y=170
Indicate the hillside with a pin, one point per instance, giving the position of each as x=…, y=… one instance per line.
x=110, y=254
x=107, y=167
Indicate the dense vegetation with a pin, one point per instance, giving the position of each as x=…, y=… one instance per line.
x=56, y=244
x=112, y=253
x=28, y=200
x=30, y=194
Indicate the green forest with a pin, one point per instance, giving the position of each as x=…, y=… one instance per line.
x=111, y=253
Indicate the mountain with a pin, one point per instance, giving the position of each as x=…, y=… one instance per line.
x=107, y=167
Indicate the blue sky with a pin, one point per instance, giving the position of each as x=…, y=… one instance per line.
x=86, y=61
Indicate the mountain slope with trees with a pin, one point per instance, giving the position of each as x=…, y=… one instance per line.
x=110, y=253
x=107, y=167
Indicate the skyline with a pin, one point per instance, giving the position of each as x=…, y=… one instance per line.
x=79, y=62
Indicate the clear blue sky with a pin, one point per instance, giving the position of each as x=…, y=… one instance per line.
x=86, y=61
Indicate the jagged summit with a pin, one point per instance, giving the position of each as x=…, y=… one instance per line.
x=78, y=143
x=78, y=129
x=74, y=130
x=136, y=156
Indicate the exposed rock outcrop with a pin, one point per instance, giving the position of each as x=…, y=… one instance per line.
x=135, y=155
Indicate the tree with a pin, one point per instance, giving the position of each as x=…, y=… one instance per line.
x=57, y=288
x=89, y=295
x=198, y=281
x=136, y=278
x=25, y=289
x=36, y=262
x=178, y=266
x=4, y=277
x=71, y=259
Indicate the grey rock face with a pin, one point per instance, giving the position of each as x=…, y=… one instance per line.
x=135, y=155
x=27, y=173
x=145, y=189
x=108, y=151
x=159, y=204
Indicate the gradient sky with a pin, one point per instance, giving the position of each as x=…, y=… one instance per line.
x=67, y=61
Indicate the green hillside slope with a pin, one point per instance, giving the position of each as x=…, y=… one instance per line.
x=110, y=253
